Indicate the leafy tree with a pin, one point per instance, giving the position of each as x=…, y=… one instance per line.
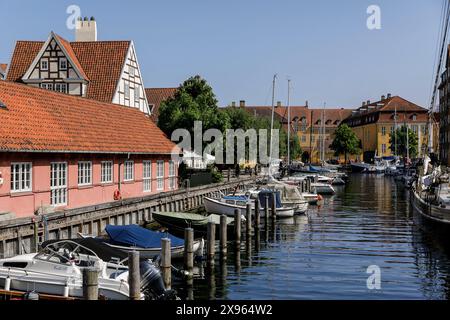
x=345, y=142
x=399, y=138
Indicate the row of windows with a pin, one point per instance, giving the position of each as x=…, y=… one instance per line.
x=62, y=64
x=137, y=92
x=59, y=87
x=414, y=128
x=21, y=175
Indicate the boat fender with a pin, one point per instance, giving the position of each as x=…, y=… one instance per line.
x=319, y=197
x=7, y=283
x=31, y=296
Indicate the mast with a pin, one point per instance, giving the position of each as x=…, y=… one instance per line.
x=271, y=123
x=289, y=125
x=395, y=131
x=322, y=141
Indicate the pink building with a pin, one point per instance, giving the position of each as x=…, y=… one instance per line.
x=59, y=151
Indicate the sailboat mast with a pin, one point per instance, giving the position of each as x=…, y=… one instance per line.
x=322, y=142
x=271, y=123
x=289, y=125
x=395, y=131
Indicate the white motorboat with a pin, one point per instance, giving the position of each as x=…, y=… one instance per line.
x=323, y=188
x=58, y=270
x=312, y=198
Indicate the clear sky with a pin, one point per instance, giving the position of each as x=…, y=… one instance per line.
x=324, y=46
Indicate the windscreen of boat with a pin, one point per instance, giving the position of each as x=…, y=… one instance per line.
x=67, y=252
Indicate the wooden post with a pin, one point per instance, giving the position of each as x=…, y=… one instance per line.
x=266, y=211
x=248, y=228
x=90, y=283
x=237, y=227
x=166, y=263
x=134, y=277
x=274, y=207
x=211, y=239
x=189, y=250
x=308, y=185
x=223, y=235
x=257, y=214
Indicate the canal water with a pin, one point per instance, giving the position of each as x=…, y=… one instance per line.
x=326, y=255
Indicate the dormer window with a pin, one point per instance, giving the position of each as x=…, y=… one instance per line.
x=414, y=117
x=63, y=64
x=328, y=122
x=44, y=65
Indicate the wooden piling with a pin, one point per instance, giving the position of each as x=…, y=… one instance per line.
x=134, y=277
x=189, y=250
x=223, y=235
x=237, y=227
x=257, y=214
x=90, y=283
x=274, y=208
x=166, y=263
x=248, y=228
x=211, y=239
x=266, y=211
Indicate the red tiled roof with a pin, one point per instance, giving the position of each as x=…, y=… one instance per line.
x=100, y=61
x=156, y=96
x=332, y=117
x=72, y=55
x=42, y=120
x=390, y=105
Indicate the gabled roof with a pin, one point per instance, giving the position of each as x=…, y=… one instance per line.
x=101, y=62
x=156, y=96
x=39, y=120
x=331, y=117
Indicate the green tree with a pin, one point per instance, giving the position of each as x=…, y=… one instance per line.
x=345, y=142
x=399, y=138
x=193, y=101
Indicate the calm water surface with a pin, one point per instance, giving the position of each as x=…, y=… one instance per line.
x=325, y=255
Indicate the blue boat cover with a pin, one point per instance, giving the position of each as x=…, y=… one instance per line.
x=262, y=198
x=318, y=169
x=236, y=198
x=134, y=235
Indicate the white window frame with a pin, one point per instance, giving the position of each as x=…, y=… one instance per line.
x=63, y=87
x=47, y=86
x=23, y=183
x=137, y=94
x=126, y=90
x=42, y=65
x=107, y=172
x=172, y=175
x=61, y=67
x=131, y=71
x=160, y=175
x=127, y=170
x=146, y=176
x=84, y=173
x=58, y=190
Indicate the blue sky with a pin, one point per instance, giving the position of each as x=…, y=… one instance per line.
x=323, y=46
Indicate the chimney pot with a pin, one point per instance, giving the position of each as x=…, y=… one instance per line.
x=278, y=104
x=242, y=103
x=388, y=95
x=233, y=104
x=307, y=103
x=363, y=103
x=383, y=97
x=368, y=101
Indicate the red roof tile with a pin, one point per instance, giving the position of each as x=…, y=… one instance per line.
x=72, y=56
x=41, y=120
x=100, y=61
x=156, y=96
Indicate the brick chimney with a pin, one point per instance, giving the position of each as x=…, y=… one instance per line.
x=278, y=104
x=86, y=30
x=233, y=104
x=388, y=95
x=383, y=97
x=242, y=103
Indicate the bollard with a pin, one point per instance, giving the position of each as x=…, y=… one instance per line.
x=248, y=228
x=90, y=284
x=266, y=211
x=134, y=277
x=189, y=250
x=308, y=185
x=211, y=238
x=166, y=263
x=257, y=214
x=223, y=235
x=237, y=226
x=274, y=208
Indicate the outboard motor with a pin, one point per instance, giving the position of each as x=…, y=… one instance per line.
x=152, y=282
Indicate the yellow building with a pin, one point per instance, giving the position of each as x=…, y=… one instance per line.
x=374, y=123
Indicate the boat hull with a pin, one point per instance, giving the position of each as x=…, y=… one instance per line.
x=218, y=207
x=431, y=212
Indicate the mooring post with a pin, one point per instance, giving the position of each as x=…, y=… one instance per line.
x=211, y=239
x=257, y=214
x=248, y=228
x=189, y=250
x=273, y=203
x=134, y=277
x=166, y=262
x=308, y=185
x=237, y=227
x=223, y=236
x=90, y=283
x=266, y=211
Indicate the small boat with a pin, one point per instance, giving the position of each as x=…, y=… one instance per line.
x=312, y=198
x=323, y=188
x=282, y=211
x=337, y=181
x=57, y=269
x=290, y=196
x=359, y=167
x=146, y=242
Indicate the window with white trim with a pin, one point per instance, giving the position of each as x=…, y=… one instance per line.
x=61, y=87
x=128, y=171
x=131, y=71
x=172, y=177
x=84, y=173
x=48, y=86
x=107, y=172
x=58, y=183
x=127, y=90
x=137, y=94
x=63, y=64
x=21, y=177
x=44, y=64
x=147, y=176
x=160, y=175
